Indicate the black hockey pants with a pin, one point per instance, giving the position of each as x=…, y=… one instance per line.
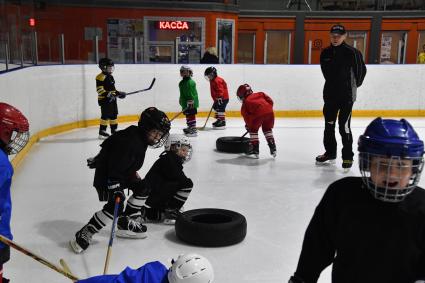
x=341, y=110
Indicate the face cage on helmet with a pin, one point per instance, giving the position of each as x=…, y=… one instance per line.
x=17, y=142
x=387, y=194
x=109, y=69
x=161, y=140
x=189, y=151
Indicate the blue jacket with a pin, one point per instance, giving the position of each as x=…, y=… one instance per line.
x=151, y=272
x=6, y=173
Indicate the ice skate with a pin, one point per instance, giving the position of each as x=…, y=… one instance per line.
x=325, y=159
x=103, y=135
x=170, y=216
x=131, y=227
x=219, y=125
x=253, y=151
x=82, y=239
x=272, y=147
x=346, y=165
x=190, y=131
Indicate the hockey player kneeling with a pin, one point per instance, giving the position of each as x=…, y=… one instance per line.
x=166, y=182
x=189, y=268
x=120, y=157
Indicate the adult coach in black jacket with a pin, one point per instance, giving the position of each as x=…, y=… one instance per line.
x=344, y=71
x=372, y=229
x=117, y=163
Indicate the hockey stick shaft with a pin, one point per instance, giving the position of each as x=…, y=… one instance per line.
x=145, y=89
x=244, y=135
x=36, y=257
x=111, y=237
x=206, y=121
x=177, y=115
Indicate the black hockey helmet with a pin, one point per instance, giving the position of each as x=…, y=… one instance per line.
x=154, y=119
x=210, y=73
x=104, y=63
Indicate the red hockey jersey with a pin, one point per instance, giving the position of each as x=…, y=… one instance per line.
x=218, y=88
x=255, y=105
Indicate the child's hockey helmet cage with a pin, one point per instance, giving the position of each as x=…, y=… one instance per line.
x=104, y=63
x=154, y=119
x=210, y=73
x=243, y=91
x=14, y=129
x=395, y=140
x=177, y=141
x=186, y=68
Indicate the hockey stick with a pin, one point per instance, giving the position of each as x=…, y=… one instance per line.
x=37, y=258
x=206, y=121
x=142, y=90
x=244, y=135
x=111, y=237
x=177, y=115
x=65, y=266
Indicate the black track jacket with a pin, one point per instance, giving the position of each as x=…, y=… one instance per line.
x=344, y=70
x=366, y=240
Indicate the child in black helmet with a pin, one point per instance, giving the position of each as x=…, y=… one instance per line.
x=117, y=163
x=105, y=87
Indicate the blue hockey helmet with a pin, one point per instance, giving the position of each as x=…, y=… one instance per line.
x=399, y=148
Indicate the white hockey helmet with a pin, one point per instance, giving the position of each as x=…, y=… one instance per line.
x=175, y=141
x=191, y=268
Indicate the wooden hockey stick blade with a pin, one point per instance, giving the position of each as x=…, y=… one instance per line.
x=145, y=89
x=36, y=257
x=206, y=121
x=65, y=266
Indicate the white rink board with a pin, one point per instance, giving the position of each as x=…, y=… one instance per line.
x=59, y=94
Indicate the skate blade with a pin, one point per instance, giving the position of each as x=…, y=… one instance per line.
x=130, y=235
x=252, y=156
x=100, y=137
x=326, y=163
x=75, y=247
x=169, y=222
x=219, y=128
x=346, y=170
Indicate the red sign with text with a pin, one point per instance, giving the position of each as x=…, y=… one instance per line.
x=173, y=25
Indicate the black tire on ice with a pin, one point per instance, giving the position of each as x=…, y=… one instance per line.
x=211, y=227
x=232, y=144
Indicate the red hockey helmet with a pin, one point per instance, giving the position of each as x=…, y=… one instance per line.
x=243, y=91
x=14, y=128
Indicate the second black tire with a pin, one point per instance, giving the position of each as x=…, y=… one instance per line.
x=232, y=144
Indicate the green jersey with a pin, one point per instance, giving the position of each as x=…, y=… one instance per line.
x=188, y=92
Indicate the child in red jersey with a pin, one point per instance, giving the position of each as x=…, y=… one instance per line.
x=257, y=111
x=220, y=95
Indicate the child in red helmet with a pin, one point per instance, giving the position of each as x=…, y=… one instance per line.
x=14, y=135
x=257, y=111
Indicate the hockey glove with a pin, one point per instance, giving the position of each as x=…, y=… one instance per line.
x=121, y=94
x=219, y=101
x=190, y=104
x=110, y=96
x=91, y=162
x=114, y=188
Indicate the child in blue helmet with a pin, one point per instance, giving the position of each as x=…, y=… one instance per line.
x=372, y=228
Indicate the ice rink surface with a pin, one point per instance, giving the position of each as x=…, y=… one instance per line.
x=53, y=198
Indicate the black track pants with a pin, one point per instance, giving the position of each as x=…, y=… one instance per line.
x=341, y=110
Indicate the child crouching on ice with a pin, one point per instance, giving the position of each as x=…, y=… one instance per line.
x=166, y=184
